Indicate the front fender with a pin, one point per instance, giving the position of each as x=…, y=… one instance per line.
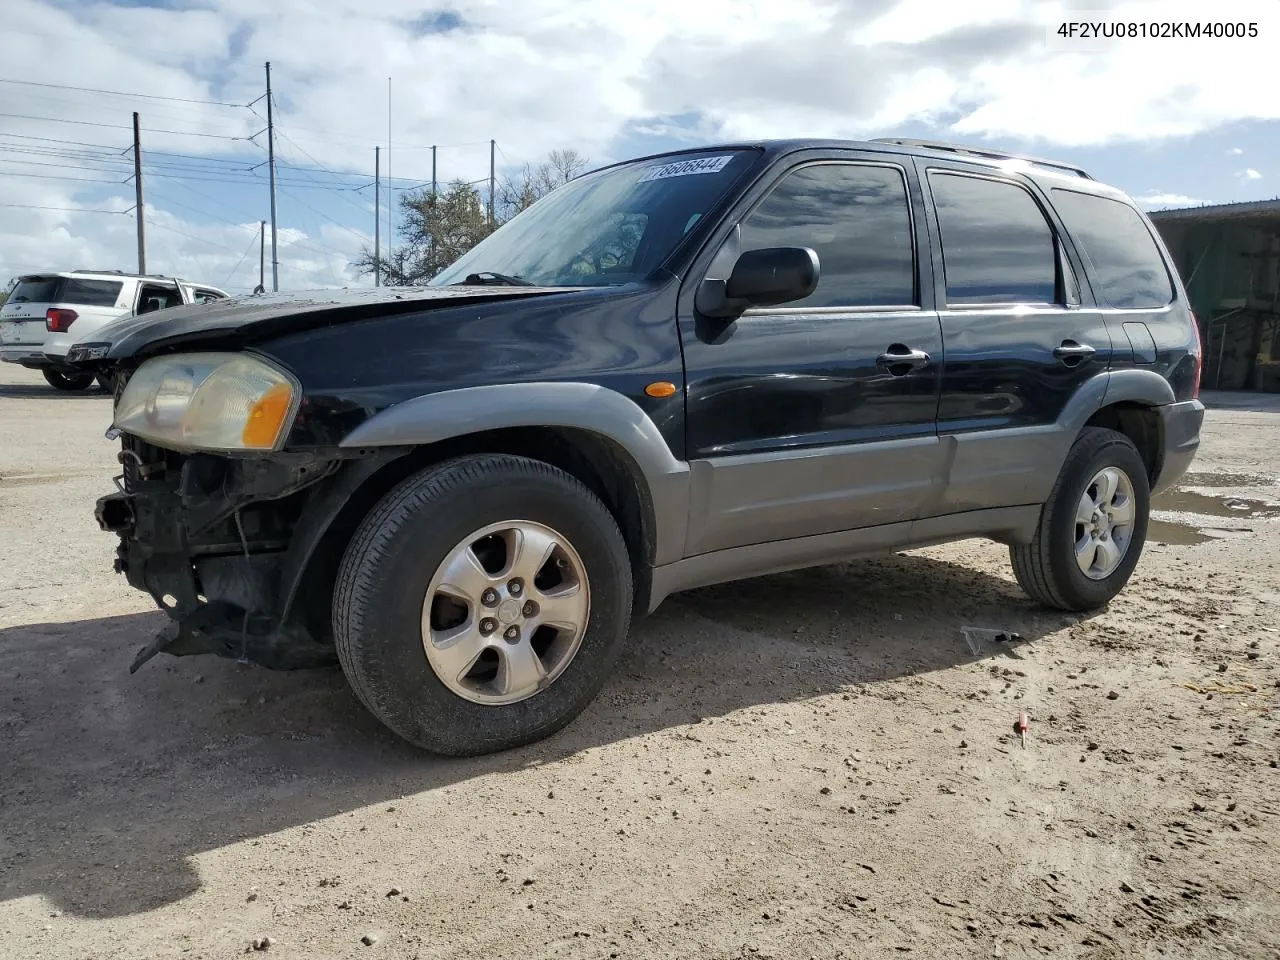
x=584, y=406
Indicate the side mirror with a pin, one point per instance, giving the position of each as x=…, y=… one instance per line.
x=761, y=278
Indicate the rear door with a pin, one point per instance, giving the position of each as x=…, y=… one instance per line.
x=1150, y=324
x=1020, y=341
x=799, y=420
x=157, y=296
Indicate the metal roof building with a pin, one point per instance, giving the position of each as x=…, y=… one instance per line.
x=1229, y=258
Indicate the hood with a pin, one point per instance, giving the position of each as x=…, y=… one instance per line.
x=249, y=318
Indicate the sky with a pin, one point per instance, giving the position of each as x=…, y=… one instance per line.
x=1172, y=121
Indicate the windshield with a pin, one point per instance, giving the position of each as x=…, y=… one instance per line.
x=606, y=228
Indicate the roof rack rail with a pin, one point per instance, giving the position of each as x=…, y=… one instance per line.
x=984, y=153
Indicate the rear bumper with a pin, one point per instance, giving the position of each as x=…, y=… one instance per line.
x=26, y=356
x=1180, y=431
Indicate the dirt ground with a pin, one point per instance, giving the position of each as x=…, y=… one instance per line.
x=816, y=764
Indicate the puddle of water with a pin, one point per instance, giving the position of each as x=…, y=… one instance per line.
x=1226, y=480
x=1178, y=500
x=1182, y=535
x=1191, y=505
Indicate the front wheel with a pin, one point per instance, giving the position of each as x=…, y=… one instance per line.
x=67, y=381
x=1093, y=527
x=482, y=604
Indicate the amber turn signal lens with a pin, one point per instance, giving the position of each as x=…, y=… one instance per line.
x=660, y=389
x=267, y=417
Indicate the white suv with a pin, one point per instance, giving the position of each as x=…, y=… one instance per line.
x=47, y=312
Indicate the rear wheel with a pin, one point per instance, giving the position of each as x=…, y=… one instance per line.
x=67, y=381
x=1093, y=527
x=482, y=604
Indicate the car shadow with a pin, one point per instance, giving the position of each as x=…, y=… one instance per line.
x=113, y=783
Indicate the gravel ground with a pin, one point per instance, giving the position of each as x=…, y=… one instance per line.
x=816, y=764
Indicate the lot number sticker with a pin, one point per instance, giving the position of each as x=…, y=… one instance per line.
x=687, y=168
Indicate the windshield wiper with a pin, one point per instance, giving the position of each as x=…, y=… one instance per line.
x=487, y=278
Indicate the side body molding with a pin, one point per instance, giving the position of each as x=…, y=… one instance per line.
x=585, y=406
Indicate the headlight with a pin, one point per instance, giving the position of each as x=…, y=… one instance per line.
x=208, y=401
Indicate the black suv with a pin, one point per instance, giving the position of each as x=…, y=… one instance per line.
x=671, y=372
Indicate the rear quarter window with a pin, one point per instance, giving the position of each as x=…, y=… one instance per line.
x=89, y=293
x=1126, y=265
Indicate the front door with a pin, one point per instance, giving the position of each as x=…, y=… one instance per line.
x=818, y=416
x=1019, y=341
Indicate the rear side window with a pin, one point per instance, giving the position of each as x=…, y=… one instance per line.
x=1125, y=262
x=34, y=290
x=856, y=218
x=82, y=293
x=89, y=293
x=205, y=296
x=997, y=246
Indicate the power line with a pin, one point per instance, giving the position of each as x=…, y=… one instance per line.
x=118, y=93
x=230, y=273
x=189, y=236
x=325, y=216
x=122, y=126
x=50, y=176
x=33, y=206
x=234, y=177
x=196, y=210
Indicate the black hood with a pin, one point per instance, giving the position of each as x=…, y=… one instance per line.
x=250, y=318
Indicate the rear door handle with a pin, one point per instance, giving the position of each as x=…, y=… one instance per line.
x=901, y=360
x=1072, y=353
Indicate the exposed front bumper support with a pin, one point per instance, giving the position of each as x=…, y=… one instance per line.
x=229, y=581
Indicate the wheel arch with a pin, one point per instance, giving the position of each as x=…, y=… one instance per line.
x=1126, y=401
x=609, y=467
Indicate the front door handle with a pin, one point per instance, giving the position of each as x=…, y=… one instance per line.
x=1072, y=353
x=900, y=360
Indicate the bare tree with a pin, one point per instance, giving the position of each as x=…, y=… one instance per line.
x=437, y=230
x=537, y=180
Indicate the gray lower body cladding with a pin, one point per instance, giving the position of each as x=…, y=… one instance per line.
x=1180, y=434
x=223, y=546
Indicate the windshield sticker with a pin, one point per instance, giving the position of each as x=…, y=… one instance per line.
x=687, y=168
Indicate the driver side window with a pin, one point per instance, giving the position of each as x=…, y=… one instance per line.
x=856, y=217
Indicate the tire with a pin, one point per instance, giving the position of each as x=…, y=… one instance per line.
x=1048, y=568
x=67, y=381
x=107, y=381
x=397, y=557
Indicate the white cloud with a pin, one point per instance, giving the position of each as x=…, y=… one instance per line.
x=1157, y=200
x=1235, y=151
x=576, y=73
x=1251, y=174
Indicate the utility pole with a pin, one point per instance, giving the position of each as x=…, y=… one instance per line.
x=271, y=161
x=492, y=180
x=262, y=257
x=434, y=222
x=377, y=217
x=137, y=187
x=390, y=183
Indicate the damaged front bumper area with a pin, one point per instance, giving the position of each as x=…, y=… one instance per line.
x=227, y=547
